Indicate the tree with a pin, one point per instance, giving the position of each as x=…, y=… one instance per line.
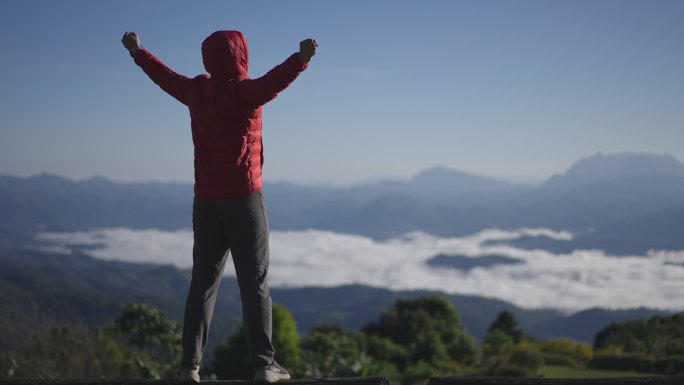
x=384, y=349
x=430, y=330
x=505, y=350
x=68, y=352
x=386, y=356
x=331, y=351
x=232, y=359
x=285, y=338
x=149, y=330
x=658, y=336
x=497, y=342
x=418, y=372
x=507, y=324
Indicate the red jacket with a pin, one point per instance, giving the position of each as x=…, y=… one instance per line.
x=225, y=112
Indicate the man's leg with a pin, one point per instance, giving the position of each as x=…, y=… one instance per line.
x=209, y=257
x=248, y=237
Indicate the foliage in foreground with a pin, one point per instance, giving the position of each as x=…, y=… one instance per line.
x=657, y=336
x=654, y=345
x=141, y=343
x=68, y=352
x=412, y=341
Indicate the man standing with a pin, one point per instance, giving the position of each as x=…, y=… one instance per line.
x=228, y=210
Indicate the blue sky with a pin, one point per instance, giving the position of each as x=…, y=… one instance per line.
x=512, y=89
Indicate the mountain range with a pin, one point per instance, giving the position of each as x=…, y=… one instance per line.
x=621, y=203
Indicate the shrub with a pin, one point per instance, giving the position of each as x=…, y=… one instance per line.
x=669, y=365
x=519, y=363
x=636, y=362
x=419, y=373
x=577, y=351
x=526, y=358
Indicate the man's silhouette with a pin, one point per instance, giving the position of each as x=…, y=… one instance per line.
x=228, y=210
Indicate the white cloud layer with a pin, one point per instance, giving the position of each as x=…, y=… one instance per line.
x=575, y=281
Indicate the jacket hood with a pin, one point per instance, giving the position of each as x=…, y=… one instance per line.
x=226, y=55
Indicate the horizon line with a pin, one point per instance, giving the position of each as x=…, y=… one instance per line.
x=521, y=180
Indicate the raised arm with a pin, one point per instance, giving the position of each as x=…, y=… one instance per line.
x=258, y=92
x=168, y=80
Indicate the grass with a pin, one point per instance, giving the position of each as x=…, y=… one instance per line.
x=568, y=372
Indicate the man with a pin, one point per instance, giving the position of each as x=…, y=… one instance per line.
x=228, y=210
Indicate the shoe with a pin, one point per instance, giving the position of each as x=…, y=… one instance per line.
x=271, y=373
x=188, y=376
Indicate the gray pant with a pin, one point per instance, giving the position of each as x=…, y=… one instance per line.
x=241, y=227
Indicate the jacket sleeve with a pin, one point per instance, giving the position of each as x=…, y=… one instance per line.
x=257, y=92
x=169, y=81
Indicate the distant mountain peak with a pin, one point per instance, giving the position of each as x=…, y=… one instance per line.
x=97, y=179
x=450, y=179
x=603, y=167
x=48, y=176
x=441, y=171
x=631, y=163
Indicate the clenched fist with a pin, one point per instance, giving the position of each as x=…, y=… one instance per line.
x=131, y=41
x=307, y=49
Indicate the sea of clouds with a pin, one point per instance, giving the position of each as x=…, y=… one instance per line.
x=575, y=281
